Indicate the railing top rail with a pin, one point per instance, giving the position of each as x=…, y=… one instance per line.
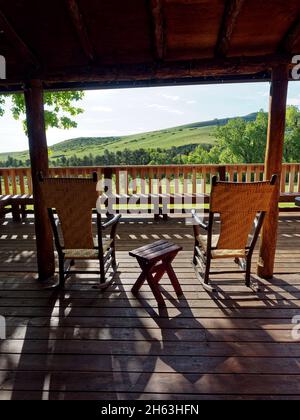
x=145, y=167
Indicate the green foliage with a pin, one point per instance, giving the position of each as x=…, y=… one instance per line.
x=242, y=141
x=175, y=155
x=239, y=140
x=292, y=138
x=60, y=109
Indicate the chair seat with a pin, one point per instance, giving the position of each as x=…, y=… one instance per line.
x=220, y=253
x=87, y=254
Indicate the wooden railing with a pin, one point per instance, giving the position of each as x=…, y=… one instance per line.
x=189, y=179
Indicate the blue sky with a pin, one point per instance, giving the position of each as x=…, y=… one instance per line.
x=130, y=111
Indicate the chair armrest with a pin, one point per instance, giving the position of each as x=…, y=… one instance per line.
x=112, y=222
x=256, y=222
x=199, y=222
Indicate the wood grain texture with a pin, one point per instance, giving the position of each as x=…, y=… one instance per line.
x=273, y=166
x=291, y=38
x=232, y=11
x=21, y=48
x=132, y=43
x=91, y=345
x=81, y=29
x=38, y=150
x=158, y=29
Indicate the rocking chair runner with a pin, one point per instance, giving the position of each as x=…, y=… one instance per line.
x=238, y=205
x=74, y=201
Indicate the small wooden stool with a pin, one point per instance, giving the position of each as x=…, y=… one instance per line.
x=155, y=260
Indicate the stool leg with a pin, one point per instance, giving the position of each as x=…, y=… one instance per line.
x=141, y=280
x=174, y=280
x=153, y=283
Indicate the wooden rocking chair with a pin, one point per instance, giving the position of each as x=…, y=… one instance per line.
x=239, y=206
x=74, y=200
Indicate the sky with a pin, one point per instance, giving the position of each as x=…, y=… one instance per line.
x=130, y=111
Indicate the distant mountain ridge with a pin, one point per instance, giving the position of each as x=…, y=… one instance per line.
x=189, y=134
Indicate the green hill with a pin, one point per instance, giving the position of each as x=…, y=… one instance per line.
x=191, y=134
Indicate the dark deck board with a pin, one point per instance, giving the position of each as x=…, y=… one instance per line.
x=88, y=345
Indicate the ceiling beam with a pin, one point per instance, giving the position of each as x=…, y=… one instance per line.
x=158, y=30
x=81, y=29
x=242, y=69
x=17, y=42
x=163, y=71
x=291, y=38
x=232, y=11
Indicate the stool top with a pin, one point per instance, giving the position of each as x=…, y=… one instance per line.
x=156, y=251
x=298, y=201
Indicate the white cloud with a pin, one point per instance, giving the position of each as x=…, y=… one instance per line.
x=101, y=109
x=264, y=94
x=165, y=108
x=191, y=102
x=294, y=101
x=171, y=97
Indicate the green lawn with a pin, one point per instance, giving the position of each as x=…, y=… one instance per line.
x=160, y=139
x=164, y=139
x=190, y=134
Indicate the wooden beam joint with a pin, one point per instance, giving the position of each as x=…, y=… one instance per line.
x=291, y=38
x=17, y=42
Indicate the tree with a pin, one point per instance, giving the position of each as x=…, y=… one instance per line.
x=240, y=141
x=199, y=156
x=292, y=137
x=60, y=109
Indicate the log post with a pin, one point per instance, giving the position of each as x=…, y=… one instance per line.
x=273, y=165
x=34, y=100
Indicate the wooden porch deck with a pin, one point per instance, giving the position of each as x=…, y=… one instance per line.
x=85, y=345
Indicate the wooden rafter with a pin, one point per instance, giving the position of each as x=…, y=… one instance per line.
x=81, y=29
x=18, y=43
x=291, y=38
x=232, y=11
x=157, y=18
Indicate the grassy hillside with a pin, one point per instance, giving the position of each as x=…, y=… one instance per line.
x=197, y=133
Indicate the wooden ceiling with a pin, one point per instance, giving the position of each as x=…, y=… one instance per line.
x=111, y=43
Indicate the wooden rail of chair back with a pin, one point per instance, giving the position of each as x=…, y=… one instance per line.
x=169, y=179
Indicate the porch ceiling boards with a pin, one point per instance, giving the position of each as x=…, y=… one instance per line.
x=92, y=43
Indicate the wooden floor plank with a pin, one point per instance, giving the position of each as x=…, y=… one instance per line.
x=111, y=382
x=141, y=364
x=199, y=334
